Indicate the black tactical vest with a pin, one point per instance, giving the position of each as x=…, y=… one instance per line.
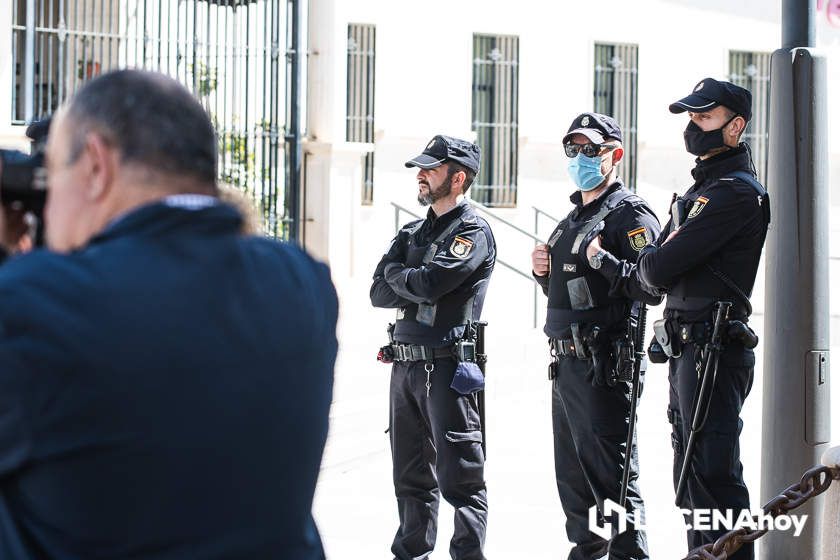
x=440, y=322
x=576, y=292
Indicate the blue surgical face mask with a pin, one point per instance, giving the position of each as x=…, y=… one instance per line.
x=586, y=172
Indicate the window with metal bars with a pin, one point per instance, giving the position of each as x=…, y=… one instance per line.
x=361, y=84
x=495, y=118
x=229, y=53
x=751, y=70
x=616, y=93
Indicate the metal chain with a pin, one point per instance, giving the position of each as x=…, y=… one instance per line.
x=814, y=482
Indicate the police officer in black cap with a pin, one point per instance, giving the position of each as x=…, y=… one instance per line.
x=590, y=303
x=709, y=253
x=435, y=274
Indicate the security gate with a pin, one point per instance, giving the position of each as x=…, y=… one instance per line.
x=240, y=58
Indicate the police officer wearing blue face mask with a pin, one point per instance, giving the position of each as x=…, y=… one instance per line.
x=590, y=301
x=709, y=252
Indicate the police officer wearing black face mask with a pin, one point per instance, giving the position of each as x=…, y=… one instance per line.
x=436, y=274
x=590, y=302
x=708, y=253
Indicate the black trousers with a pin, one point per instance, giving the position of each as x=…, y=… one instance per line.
x=436, y=449
x=590, y=436
x=715, y=479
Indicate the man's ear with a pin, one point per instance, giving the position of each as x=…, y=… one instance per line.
x=458, y=180
x=737, y=126
x=618, y=155
x=102, y=162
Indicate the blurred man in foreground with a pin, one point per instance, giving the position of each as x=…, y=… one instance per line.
x=165, y=380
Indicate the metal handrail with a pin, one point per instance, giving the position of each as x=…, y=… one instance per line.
x=498, y=218
x=398, y=209
x=535, y=236
x=538, y=211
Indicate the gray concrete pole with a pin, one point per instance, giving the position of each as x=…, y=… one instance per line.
x=796, y=423
x=798, y=24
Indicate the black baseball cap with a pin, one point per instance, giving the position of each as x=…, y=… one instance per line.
x=445, y=148
x=710, y=93
x=595, y=126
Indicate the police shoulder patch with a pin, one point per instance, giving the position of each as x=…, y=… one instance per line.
x=461, y=247
x=698, y=206
x=638, y=238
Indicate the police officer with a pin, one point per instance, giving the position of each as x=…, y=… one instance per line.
x=710, y=253
x=435, y=274
x=589, y=304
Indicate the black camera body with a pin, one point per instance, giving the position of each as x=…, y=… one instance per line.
x=23, y=178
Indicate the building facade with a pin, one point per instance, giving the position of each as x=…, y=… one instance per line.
x=512, y=78
x=381, y=78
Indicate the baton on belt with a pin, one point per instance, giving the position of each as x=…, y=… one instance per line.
x=481, y=360
x=703, y=393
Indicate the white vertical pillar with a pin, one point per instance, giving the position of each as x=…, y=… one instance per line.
x=325, y=72
x=333, y=175
x=8, y=134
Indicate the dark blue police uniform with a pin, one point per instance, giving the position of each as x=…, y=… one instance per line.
x=436, y=274
x=588, y=310
x=714, y=257
x=590, y=422
x=164, y=392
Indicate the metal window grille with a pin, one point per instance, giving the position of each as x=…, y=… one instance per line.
x=229, y=53
x=367, y=179
x=616, y=93
x=361, y=85
x=495, y=117
x=751, y=70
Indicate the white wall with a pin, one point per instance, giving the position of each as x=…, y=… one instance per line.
x=424, y=76
x=423, y=83
x=10, y=137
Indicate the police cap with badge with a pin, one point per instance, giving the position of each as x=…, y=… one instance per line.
x=439, y=150
x=596, y=127
x=710, y=93
x=446, y=148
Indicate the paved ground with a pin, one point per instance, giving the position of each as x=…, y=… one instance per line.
x=355, y=507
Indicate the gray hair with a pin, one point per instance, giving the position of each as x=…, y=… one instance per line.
x=151, y=119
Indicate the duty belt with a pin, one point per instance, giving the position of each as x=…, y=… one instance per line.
x=697, y=333
x=566, y=347
x=417, y=353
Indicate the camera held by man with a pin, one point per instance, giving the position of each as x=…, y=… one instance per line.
x=23, y=189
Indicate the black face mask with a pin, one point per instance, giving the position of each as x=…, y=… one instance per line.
x=700, y=142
